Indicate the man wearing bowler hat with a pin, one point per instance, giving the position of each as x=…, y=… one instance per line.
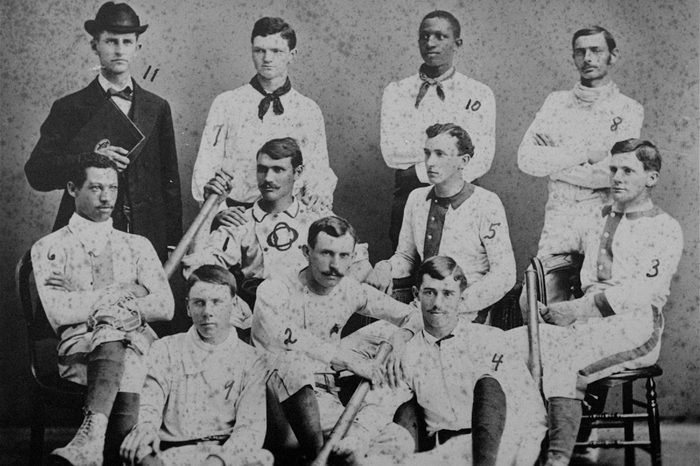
x=149, y=189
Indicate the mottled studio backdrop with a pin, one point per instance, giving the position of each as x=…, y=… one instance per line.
x=348, y=52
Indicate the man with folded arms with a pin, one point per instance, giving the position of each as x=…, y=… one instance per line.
x=203, y=402
x=99, y=286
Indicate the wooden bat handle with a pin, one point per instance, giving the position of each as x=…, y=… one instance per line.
x=533, y=324
x=345, y=420
x=205, y=212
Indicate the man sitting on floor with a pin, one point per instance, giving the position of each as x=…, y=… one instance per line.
x=203, y=402
x=481, y=405
x=99, y=286
x=299, y=318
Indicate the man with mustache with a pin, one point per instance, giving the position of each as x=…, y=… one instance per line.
x=456, y=219
x=299, y=318
x=631, y=253
x=570, y=138
x=242, y=120
x=480, y=404
x=149, y=182
x=271, y=238
x=203, y=402
x=437, y=93
x=99, y=286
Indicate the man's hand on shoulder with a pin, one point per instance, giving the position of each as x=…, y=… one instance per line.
x=232, y=217
x=380, y=278
x=142, y=441
x=116, y=155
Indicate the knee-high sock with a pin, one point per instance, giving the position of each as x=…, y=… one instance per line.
x=488, y=421
x=564, y=422
x=302, y=413
x=105, y=368
x=124, y=416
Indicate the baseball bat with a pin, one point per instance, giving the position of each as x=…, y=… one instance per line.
x=345, y=420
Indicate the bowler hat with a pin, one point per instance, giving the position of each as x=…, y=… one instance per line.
x=119, y=18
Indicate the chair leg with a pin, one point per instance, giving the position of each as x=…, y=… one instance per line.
x=36, y=442
x=654, y=427
x=627, y=407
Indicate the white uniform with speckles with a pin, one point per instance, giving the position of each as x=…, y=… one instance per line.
x=443, y=378
x=233, y=134
x=75, y=252
x=629, y=262
x=468, y=103
x=302, y=331
x=475, y=235
x=194, y=390
x=577, y=128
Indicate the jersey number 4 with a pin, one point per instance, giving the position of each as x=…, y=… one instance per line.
x=497, y=360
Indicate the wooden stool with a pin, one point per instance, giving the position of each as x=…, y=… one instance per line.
x=627, y=418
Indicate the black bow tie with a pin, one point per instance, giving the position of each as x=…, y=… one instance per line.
x=125, y=93
x=447, y=337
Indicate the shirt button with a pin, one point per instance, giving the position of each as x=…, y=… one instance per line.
x=612, y=214
x=432, y=218
x=266, y=249
x=435, y=201
x=603, y=251
x=606, y=234
x=430, y=236
x=600, y=267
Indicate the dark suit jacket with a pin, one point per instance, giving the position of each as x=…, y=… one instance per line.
x=152, y=179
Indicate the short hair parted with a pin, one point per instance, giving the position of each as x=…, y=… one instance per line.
x=91, y=160
x=333, y=226
x=214, y=274
x=283, y=148
x=447, y=16
x=593, y=30
x=645, y=151
x=439, y=268
x=464, y=142
x=268, y=26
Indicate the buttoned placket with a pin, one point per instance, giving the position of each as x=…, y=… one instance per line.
x=439, y=349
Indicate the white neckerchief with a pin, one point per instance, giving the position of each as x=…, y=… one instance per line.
x=93, y=235
x=588, y=96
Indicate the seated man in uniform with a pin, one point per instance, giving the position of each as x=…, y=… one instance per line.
x=456, y=219
x=272, y=232
x=99, y=286
x=299, y=318
x=203, y=402
x=631, y=255
x=480, y=403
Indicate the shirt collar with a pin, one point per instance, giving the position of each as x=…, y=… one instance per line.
x=196, y=351
x=455, y=200
x=653, y=211
x=93, y=235
x=292, y=211
x=443, y=77
x=106, y=85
